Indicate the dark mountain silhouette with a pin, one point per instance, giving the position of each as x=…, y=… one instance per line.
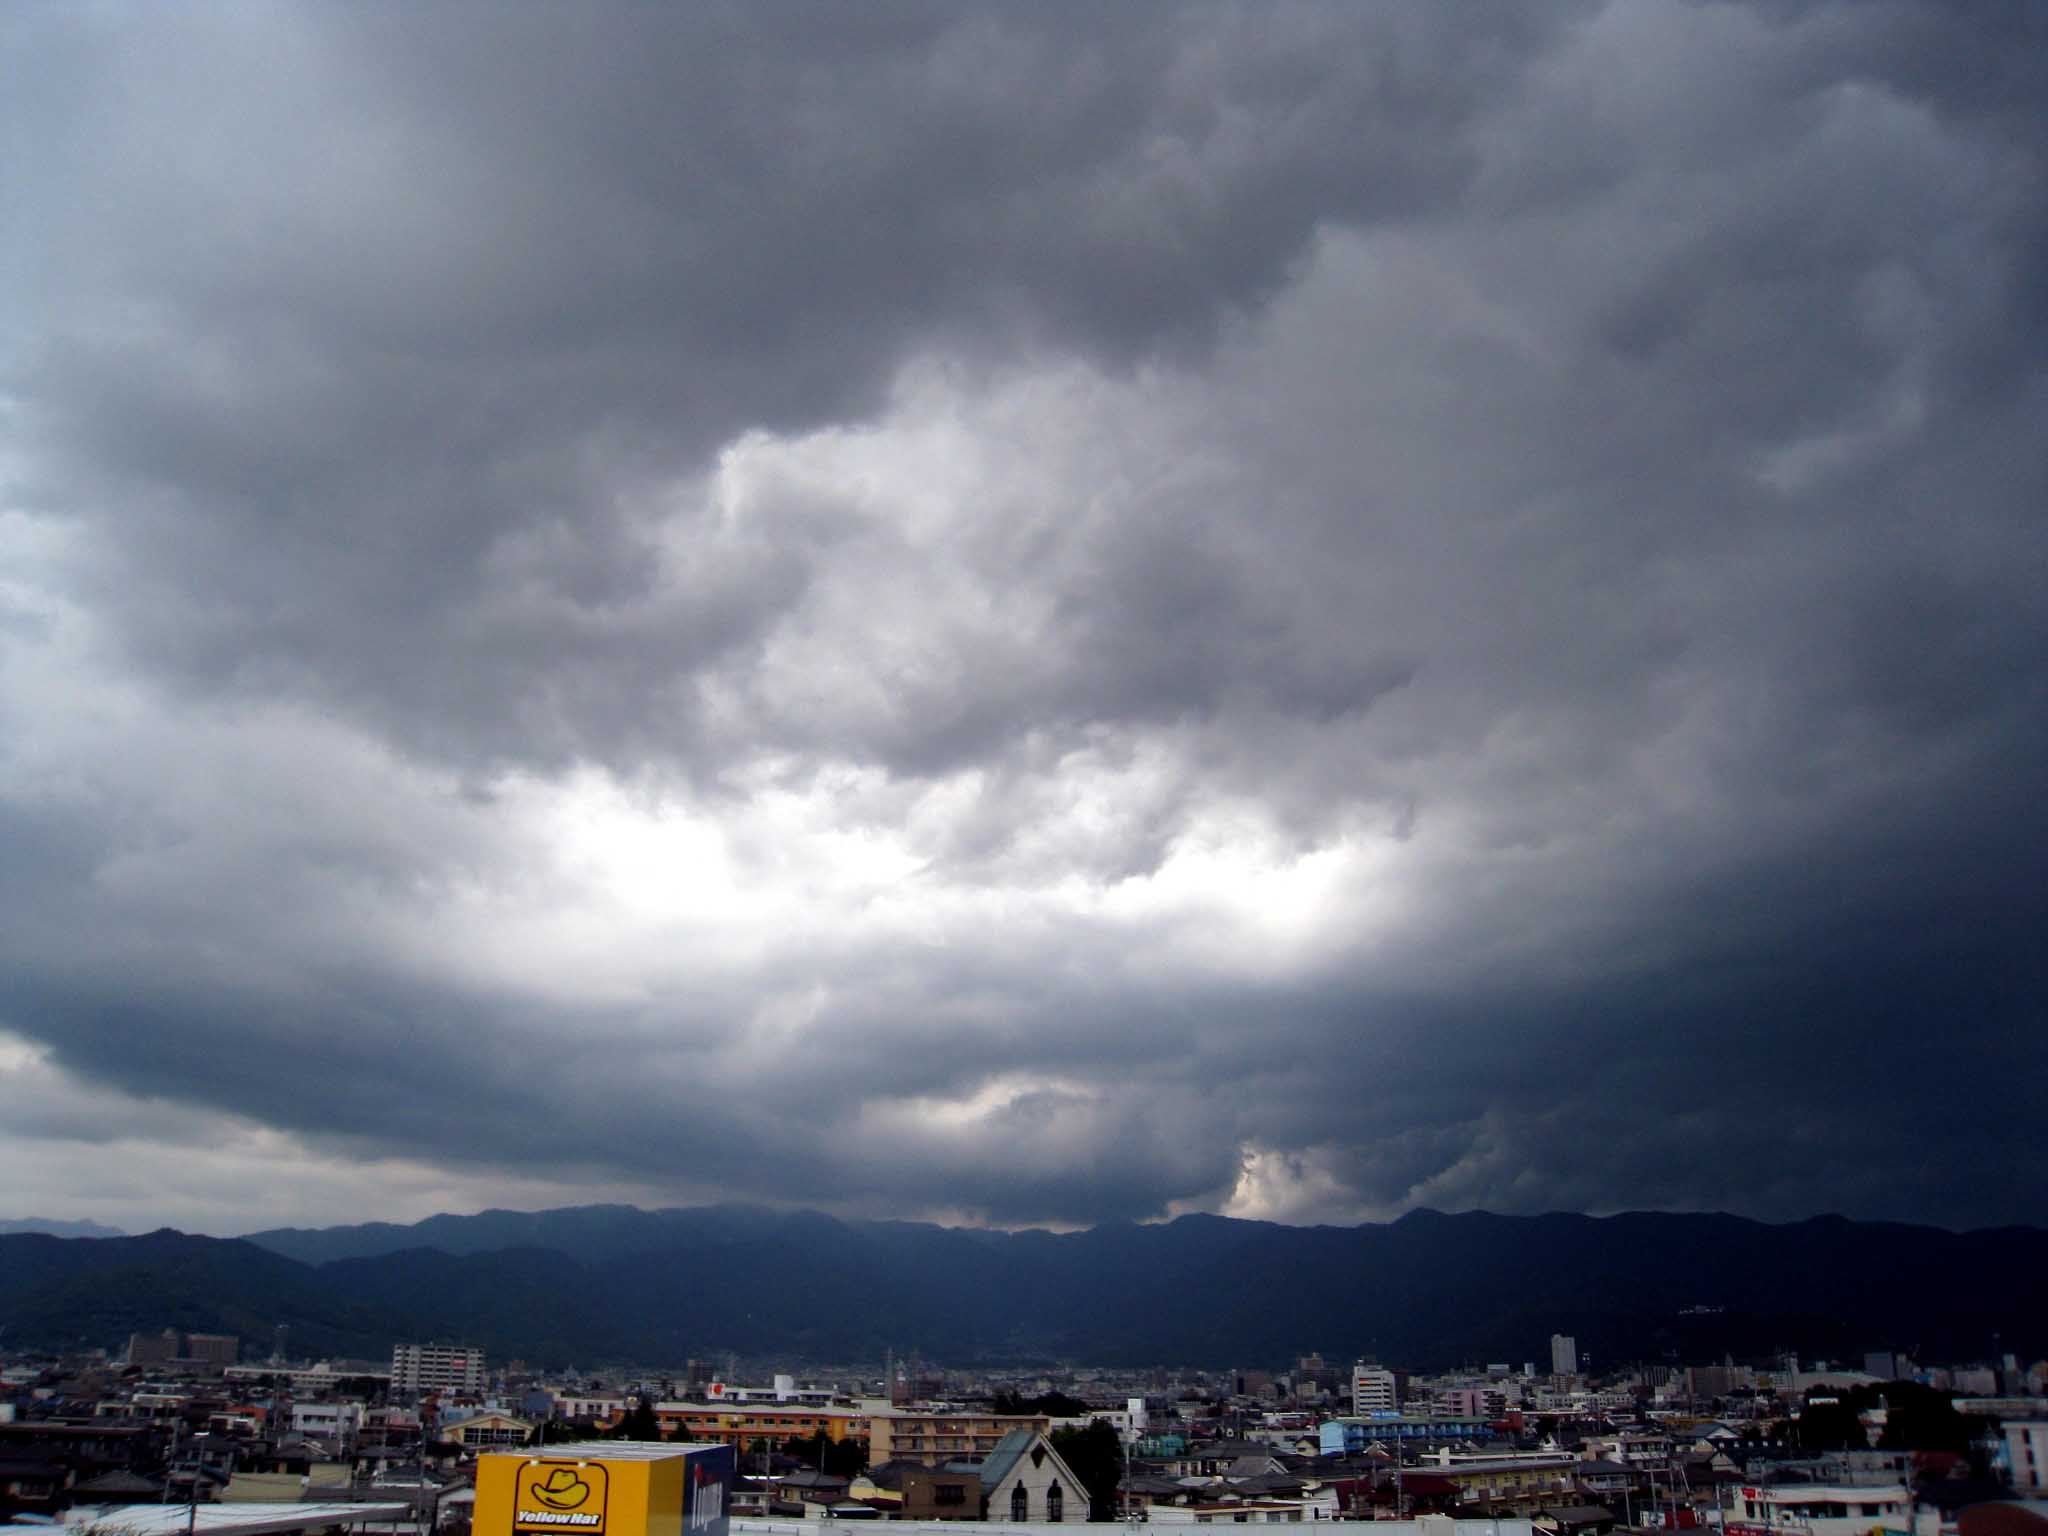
x=58, y=1228
x=61, y=1293
x=614, y=1283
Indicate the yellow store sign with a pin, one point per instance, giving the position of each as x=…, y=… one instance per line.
x=560, y=1496
x=606, y=1488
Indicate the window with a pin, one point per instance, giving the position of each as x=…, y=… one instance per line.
x=950, y=1493
x=1020, y=1503
x=1055, y=1503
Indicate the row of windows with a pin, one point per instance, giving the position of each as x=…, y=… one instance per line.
x=1829, y=1511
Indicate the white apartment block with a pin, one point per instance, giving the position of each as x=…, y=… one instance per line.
x=1373, y=1389
x=437, y=1368
x=1564, y=1355
x=584, y=1407
x=2026, y=1453
x=338, y=1422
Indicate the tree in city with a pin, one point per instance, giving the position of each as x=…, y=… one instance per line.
x=639, y=1423
x=1051, y=1405
x=1096, y=1456
x=559, y=1432
x=835, y=1458
x=1828, y=1423
x=1918, y=1418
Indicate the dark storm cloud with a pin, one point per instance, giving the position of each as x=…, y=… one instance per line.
x=1331, y=608
x=369, y=329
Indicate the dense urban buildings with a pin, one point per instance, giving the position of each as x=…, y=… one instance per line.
x=1775, y=1446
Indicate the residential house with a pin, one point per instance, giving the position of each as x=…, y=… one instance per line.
x=1603, y=1481
x=910, y=1490
x=32, y=1484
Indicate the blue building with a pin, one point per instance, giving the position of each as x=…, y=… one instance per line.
x=1351, y=1435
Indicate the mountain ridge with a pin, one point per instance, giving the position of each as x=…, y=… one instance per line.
x=1430, y=1289
x=14, y=1226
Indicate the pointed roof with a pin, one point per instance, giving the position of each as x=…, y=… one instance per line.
x=997, y=1464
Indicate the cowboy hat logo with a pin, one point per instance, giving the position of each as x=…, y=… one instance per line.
x=560, y=1498
x=563, y=1489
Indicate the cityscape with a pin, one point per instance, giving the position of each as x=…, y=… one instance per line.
x=1557, y=1445
x=1023, y=763
x=1581, y=1436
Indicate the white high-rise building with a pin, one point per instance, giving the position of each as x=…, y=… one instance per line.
x=2026, y=1454
x=1373, y=1389
x=437, y=1368
x=1564, y=1355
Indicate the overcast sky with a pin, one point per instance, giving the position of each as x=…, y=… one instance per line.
x=1023, y=614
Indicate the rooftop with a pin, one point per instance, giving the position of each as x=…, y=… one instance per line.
x=606, y=1450
x=226, y=1519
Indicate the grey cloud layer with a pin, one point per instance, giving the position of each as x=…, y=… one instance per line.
x=1570, y=471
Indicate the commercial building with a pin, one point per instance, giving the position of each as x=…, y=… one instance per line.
x=437, y=1368
x=1564, y=1355
x=606, y=1488
x=1817, y=1510
x=212, y=1348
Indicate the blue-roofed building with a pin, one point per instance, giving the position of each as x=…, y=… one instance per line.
x=1351, y=1435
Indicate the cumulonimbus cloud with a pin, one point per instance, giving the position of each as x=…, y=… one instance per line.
x=1028, y=616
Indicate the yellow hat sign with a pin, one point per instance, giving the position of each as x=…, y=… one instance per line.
x=605, y=1488
x=560, y=1496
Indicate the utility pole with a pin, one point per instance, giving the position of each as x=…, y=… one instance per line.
x=1130, y=1502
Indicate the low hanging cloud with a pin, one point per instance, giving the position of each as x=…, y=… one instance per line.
x=1024, y=616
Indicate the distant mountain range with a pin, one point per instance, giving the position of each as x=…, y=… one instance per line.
x=58, y=1228
x=614, y=1283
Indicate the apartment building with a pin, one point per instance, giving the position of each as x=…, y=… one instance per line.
x=1521, y=1483
x=2026, y=1453
x=937, y=1438
x=1564, y=1355
x=1374, y=1389
x=338, y=1422
x=740, y=1424
x=437, y=1368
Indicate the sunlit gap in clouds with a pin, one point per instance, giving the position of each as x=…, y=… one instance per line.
x=629, y=874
